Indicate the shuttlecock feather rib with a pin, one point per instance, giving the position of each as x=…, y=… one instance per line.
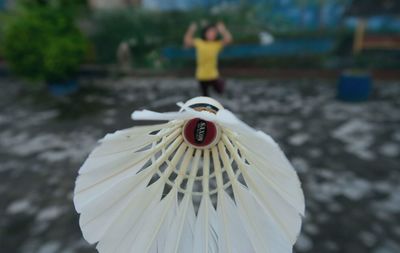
x=233, y=237
x=149, y=233
x=185, y=216
x=280, y=176
x=257, y=224
x=115, y=146
x=93, y=190
x=96, y=207
x=287, y=217
x=129, y=228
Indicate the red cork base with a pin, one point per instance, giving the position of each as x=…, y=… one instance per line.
x=200, y=133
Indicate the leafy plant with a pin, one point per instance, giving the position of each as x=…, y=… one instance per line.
x=149, y=31
x=42, y=43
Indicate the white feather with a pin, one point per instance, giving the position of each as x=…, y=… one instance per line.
x=102, y=173
x=151, y=224
x=157, y=218
x=206, y=228
x=165, y=230
x=127, y=229
x=232, y=235
x=182, y=238
x=286, y=216
x=132, y=132
x=262, y=230
x=116, y=160
x=90, y=188
x=123, y=227
x=98, y=216
x=274, y=169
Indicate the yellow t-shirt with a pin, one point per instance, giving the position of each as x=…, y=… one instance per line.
x=207, y=59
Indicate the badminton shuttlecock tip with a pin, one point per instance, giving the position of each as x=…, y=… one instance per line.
x=199, y=133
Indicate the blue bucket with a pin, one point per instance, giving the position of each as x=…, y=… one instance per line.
x=354, y=87
x=63, y=88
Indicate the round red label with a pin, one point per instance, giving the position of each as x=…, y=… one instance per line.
x=200, y=133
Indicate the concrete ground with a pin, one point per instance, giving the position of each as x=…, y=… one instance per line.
x=347, y=155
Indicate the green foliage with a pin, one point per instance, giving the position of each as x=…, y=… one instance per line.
x=149, y=31
x=42, y=43
x=65, y=4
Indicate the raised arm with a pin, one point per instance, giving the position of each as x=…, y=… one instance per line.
x=226, y=34
x=188, y=40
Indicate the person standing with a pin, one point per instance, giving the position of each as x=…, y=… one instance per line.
x=208, y=48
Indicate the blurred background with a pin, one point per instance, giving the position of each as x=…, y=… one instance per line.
x=322, y=77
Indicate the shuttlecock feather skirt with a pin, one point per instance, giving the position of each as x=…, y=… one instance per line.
x=145, y=189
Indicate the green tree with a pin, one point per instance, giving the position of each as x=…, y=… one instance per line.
x=42, y=43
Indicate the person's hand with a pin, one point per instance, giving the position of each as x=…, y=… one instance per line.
x=226, y=35
x=221, y=26
x=193, y=27
x=188, y=39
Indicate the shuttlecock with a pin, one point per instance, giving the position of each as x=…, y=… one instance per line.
x=266, y=38
x=203, y=182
